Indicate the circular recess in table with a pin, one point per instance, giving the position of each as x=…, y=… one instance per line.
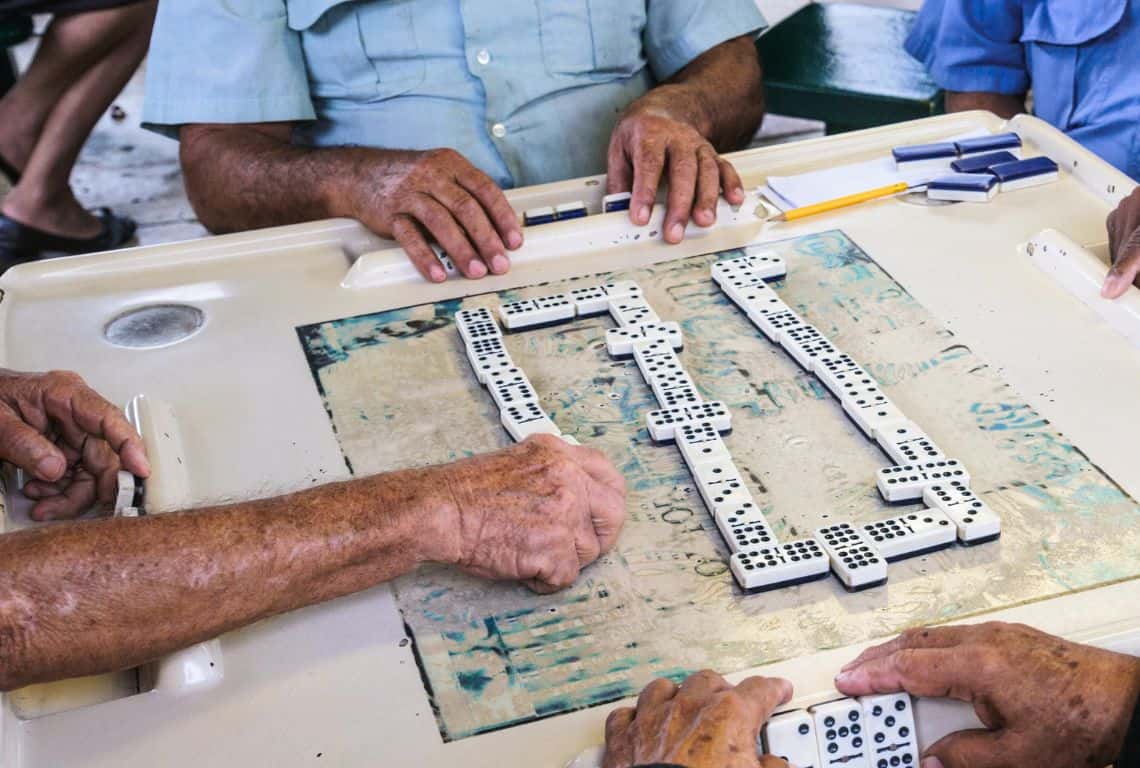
x=155, y=325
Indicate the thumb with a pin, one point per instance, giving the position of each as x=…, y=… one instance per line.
x=28, y=449
x=975, y=748
x=1124, y=271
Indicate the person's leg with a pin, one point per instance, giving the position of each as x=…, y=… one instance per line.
x=43, y=199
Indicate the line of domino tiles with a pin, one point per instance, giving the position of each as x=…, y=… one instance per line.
x=868, y=732
x=858, y=556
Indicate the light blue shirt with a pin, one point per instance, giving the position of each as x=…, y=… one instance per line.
x=527, y=90
x=1081, y=57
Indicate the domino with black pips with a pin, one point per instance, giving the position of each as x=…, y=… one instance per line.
x=906, y=443
x=487, y=356
x=510, y=387
x=533, y=313
x=595, y=299
x=836, y=371
x=630, y=310
x=700, y=443
x=483, y=329
x=475, y=318
x=679, y=397
x=749, y=535
x=525, y=419
x=789, y=736
x=854, y=560
x=783, y=565
x=759, y=300
x=620, y=341
x=975, y=521
x=766, y=264
x=771, y=322
x=721, y=483
x=840, y=734
x=912, y=534
x=663, y=422
x=805, y=343
x=869, y=407
x=892, y=739
x=907, y=482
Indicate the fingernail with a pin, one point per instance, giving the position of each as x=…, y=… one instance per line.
x=49, y=467
x=931, y=762
x=499, y=264
x=436, y=274
x=514, y=239
x=476, y=269
x=1111, y=285
x=843, y=677
x=643, y=215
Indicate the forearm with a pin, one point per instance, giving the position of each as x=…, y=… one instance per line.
x=247, y=177
x=111, y=594
x=1000, y=104
x=720, y=93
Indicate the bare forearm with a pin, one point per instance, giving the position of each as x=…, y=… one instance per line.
x=720, y=93
x=112, y=594
x=1000, y=104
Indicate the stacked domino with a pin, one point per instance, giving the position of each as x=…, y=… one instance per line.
x=982, y=167
x=857, y=556
x=869, y=732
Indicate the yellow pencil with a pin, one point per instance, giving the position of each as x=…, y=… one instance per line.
x=842, y=202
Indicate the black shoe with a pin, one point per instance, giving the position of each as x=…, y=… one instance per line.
x=19, y=242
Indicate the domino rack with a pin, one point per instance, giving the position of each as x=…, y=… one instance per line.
x=857, y=555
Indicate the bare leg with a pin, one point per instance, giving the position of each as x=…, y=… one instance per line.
x=113, y=42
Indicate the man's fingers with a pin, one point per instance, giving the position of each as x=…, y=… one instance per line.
x=944, y=673
x=85, y=412
x=471, y=216
x=411, y=238
x=730, y=182
x=701, y=685
x=656, y=693
x=648, y=165
x=75, y=499
x=619, y=171
x=617, y=721
x=969, y=749
x=764, y=694
x=607, y=516
x=708, y=187
x=925, y=637
x=683, y=168
x=494, y=202
x=598, y=466
x=1124, y=272
x=439, y=221
x=771, y=761
x=28, y=449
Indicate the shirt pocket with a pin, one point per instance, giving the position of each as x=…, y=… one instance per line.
x=359, y=50
x=592, y=37
x=1059, y=36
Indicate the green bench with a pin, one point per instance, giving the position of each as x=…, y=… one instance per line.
x=13, y=31
x=844, y=64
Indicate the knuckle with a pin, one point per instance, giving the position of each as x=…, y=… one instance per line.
x=906, y=662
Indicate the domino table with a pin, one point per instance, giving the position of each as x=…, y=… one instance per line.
x=269, y=361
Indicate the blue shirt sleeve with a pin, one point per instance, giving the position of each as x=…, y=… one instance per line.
x=678, y=31
x=232, y=62
x=972, y=45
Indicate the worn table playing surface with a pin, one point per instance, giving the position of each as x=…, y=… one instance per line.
x=663, y=603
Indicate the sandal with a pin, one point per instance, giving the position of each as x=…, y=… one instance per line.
x=19, y=242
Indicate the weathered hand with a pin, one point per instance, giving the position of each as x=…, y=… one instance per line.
x=68, y=438
x=1123, y=246
x=661, y=136
x=537, y=512
x=1045, y=701
x=704, y=723
x=413, y=195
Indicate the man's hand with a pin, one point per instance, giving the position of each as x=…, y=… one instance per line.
x=68, y=438
x=537, y=512
x=413, y=195
x=704, y=723
x=659, y=138
x=1045, y=701
x=1123, y=246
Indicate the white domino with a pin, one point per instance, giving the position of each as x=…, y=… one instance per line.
x=744, y=530
x=909, y=481
x=662, y=422
x=700, y=443
x=892, y=740
x=837, y=370
x=854, y=560
x=912, y=534
x=665, y=383
x=760, y=300
x=720, y=484
x=793, y=562
x=631, y=310
x=620, y=341
x=871, y=409
x=543, y=310
x=487, y=356
x=510, y=387
x=125, y=497
x=680, y=396
x=789, y=736
x=806, y=343
x=595, y=299
x=906, y=443
x=759, y=263
x=975, y=521
x=840, y=734
x=476, y=323
x=770, y=322
x=524, y=419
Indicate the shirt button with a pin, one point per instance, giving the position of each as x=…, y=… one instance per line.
x=483, y=56
x=499, y=130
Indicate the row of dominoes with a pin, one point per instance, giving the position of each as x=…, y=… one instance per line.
x=517, y=399
x=868, y=732
x=616, y=298
x=858, y=557
x=619, y=201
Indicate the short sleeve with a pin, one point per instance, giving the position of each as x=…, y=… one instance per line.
x=678, y=31
x=971, y=46
x=224, y=62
